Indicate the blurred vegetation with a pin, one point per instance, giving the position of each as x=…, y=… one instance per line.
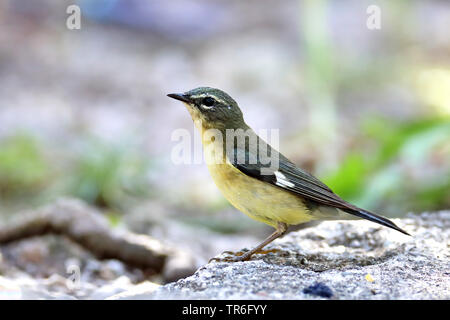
x=320, y=78
x=23, y=168
x=408, y=166
x=106, y=175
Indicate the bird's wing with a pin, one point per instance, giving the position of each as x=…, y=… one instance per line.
x=291, y=178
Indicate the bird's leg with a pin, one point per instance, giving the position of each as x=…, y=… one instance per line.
x=280, y=230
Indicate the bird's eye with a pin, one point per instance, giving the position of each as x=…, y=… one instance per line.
x=208, y=101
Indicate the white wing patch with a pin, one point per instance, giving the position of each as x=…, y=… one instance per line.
x=282, y=181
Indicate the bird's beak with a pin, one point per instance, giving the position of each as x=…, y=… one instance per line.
x=180, y=96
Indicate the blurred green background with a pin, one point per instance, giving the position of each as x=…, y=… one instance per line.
x=84, y=113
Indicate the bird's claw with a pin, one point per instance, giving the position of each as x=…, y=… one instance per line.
x=232, y=257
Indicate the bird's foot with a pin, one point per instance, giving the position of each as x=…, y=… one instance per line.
x=233, y=256
x=240, y=255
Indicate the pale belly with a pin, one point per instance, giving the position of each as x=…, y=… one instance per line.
x=259, y=200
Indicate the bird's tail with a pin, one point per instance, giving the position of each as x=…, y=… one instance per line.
x=375, y=218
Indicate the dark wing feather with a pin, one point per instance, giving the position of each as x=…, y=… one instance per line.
x=299, y=182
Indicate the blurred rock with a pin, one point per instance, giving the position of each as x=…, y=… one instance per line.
x=9, y=290
x=336, y=260
x=119, y=285
x=179, y=266
x=144, y=287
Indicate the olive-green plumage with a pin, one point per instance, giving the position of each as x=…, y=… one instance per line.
x=280, y=195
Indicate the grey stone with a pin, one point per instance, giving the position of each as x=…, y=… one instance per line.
x=334, y=260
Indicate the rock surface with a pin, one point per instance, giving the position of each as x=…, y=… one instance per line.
x=335, y=260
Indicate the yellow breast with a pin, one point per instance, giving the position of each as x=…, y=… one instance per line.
x=259, y=200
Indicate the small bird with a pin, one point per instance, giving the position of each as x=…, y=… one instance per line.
x=278, y=196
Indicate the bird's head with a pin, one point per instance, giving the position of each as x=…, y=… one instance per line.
x=211, y=107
